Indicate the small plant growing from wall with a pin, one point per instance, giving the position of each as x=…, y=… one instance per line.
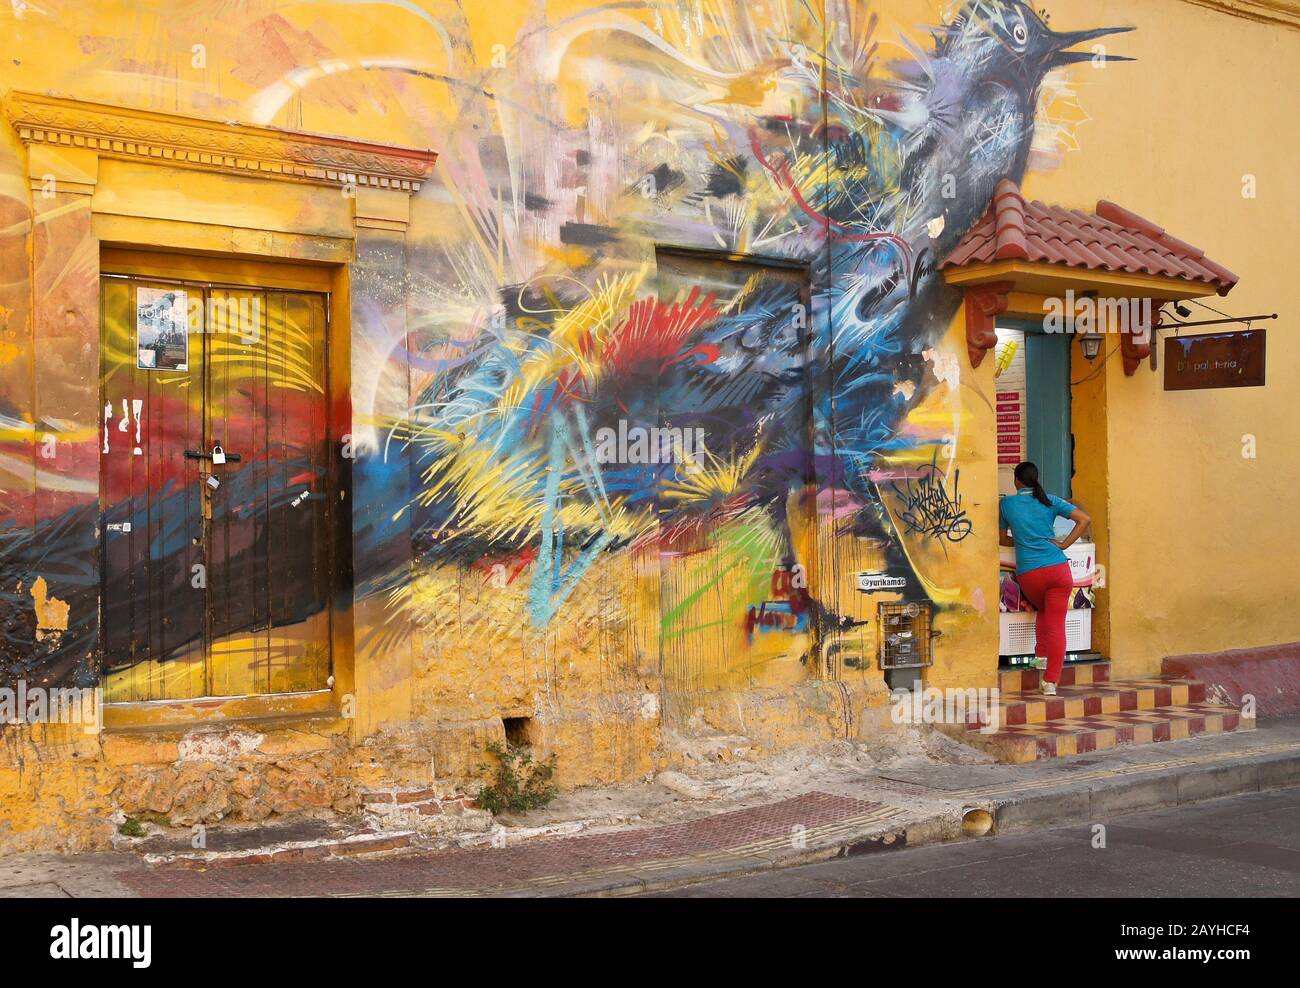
x=519, y=783
x=135, y=826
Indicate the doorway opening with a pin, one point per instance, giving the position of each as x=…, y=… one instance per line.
x=1032, y=384
x=218, y=490
x=1033, y=394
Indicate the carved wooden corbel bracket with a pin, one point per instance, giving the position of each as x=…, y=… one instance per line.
x=1135, y=341
x=984, y=303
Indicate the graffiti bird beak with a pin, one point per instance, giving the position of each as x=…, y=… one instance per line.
x=1068, y=39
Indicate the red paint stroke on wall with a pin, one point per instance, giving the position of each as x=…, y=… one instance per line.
x=654, y=336
x=836, y=230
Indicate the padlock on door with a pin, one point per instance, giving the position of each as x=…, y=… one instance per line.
x=218, y=455
x=214, y=483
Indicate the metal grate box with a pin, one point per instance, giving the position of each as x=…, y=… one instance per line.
x=905, y=634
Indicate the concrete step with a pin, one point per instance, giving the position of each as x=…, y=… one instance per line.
x=1064, y=736
x=1269, y=673
x=302, y=840
x=280, y=853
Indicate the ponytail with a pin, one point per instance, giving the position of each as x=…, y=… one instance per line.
x=1027, y=475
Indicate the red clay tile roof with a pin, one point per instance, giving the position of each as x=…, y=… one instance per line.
x=1112, y=239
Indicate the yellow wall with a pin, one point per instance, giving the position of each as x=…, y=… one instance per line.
x=1201, y=539
x=1198, y=541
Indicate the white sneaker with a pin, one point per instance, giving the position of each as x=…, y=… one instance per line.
x=1048, y=689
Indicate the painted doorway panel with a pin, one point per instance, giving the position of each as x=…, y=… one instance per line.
x=217, y=591
x=151, y=509
x=1049, y=440
x=735, y=609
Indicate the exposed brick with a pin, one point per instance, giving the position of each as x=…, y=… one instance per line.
x=418, y=796
x=368, y=846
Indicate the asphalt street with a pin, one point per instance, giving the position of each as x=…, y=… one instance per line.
x=1242, y=846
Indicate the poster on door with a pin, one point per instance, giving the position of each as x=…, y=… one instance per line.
x=1009, y=388
x=161, y=329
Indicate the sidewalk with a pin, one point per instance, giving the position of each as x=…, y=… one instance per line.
x=827, y=817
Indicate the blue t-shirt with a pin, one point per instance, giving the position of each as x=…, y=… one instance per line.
x=1033, y=528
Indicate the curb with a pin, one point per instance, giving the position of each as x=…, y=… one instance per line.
x=1055, y=805
x=318, y=850
x=1144, y=791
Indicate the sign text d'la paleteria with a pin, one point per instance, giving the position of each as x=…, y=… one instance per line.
x=1215, y=360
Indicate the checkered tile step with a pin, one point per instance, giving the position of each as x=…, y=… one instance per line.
x=1031, y=707
x=1015, y=680
x=1064, y=736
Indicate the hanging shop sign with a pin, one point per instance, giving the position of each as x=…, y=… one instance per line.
x=1215, y=360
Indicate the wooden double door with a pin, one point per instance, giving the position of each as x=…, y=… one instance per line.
x=216, y=490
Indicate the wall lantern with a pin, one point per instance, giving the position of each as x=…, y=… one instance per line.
x=1091, y=345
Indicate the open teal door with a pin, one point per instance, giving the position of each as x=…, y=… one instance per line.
x=1048, y=440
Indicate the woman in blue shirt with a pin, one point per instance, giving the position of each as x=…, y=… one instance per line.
x=1027, y=520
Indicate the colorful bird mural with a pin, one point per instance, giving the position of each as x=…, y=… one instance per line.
x=788, y=391
x=680, y=283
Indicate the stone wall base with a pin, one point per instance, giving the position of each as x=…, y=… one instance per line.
x=62, y=789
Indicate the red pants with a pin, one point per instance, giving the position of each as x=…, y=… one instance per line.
x=1049, y=589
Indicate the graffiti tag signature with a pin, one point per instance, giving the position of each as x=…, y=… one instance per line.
x=930, y=509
